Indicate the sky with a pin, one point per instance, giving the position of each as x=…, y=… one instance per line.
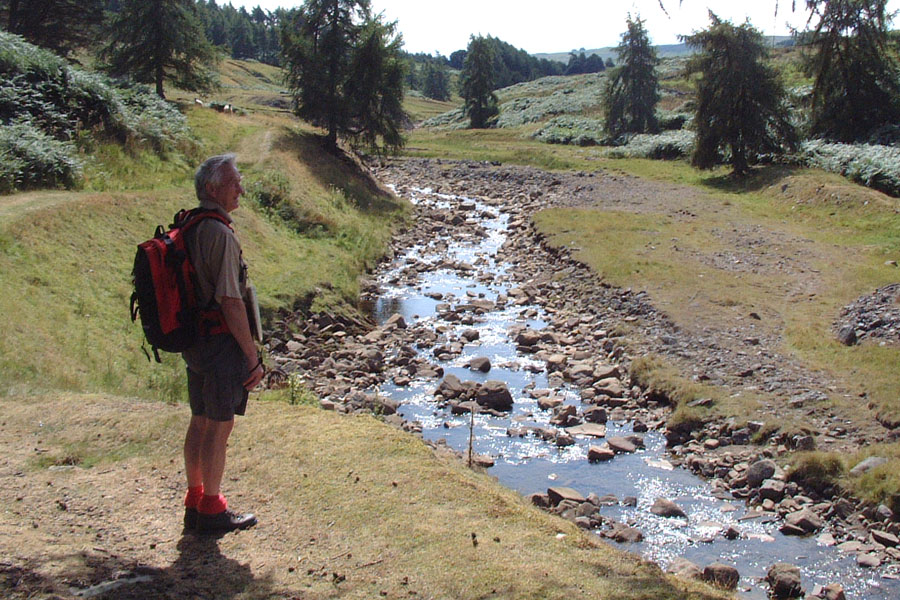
x=549, y=26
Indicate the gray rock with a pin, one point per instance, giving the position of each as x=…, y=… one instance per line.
x=600, y=453
x=833, y=591
x=494, y=394
x=558, y=494
x=682, y=567
x=772, y=489
x=867, y=465
x=528, y=337
x=481, y=363
x=784, y=580
x=470, y=335
x=847, y=335
x=724, y=576
x=625, y=535
x=868, y=560
x=760, y=471
x=549, y=402
x=885, y=538
x=595, y=414
x=451, y=387
x=395, y=320
x=620, y=445
x=805, y=520
x=564, y=439
x=667, y=508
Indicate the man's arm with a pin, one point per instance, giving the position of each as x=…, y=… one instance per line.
x=235, y=314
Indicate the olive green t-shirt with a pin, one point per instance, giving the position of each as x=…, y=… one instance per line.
x=216, y=255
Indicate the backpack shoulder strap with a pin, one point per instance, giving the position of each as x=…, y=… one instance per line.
x=185, y=219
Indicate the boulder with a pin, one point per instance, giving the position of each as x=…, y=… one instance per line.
x=556, y=362
x=666, y=508
x=549, y=402
x=760, y=471
x=588, y=429
x=494, y=394
x=451, y=387
x=481, y=363
x=558, y=494
x=564, y=439
x=784, y=580
x=595, y=414
x=868, y=560
x=395, y=320
x=600, y=453
x=885, y=539
x=620, y=445
x=867, y=465
x=610, y=387
x=724, y=576
x=470, y=335
x=682, y=567
x=804, y=520
x=528, y=337
x=772, y=489
x=624, y=534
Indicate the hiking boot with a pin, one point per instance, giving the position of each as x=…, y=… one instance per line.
x=224, y=522
x=190, y=518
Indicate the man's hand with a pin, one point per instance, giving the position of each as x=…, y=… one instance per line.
x=256, y=376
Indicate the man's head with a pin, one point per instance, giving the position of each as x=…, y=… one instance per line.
x=218, y=180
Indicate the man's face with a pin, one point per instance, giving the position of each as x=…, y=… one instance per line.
x=226, y=195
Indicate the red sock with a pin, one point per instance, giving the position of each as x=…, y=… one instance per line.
x=192, y=498
x=212, y=505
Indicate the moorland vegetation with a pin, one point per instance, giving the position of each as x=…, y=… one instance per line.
x=313, y=222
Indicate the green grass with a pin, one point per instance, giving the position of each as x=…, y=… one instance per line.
x=66, y=265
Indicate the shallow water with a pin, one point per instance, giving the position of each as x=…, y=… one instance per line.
x=532, y=465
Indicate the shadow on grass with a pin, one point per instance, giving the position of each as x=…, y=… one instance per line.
x=340, y=171
x=200, y=571
x=759, y=178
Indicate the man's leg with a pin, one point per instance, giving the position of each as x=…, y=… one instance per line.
x=212, y=454
x=214, y=515
x=193, y=441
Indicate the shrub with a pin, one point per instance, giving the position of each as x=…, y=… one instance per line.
x=49, y=102
x=871, y=165
x=579, y=131
x=817, y=471
x=30, y=158
x=667, y=145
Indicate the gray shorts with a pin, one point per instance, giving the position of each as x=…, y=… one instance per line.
x=216, y=370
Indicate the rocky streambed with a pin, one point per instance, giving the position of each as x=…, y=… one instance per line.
x=479, y=326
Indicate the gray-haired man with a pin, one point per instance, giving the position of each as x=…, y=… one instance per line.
x=222, y=367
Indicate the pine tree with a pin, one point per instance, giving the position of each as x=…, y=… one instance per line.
x=477, y=83
x=632, y=92
x=741, y=105
x=435, y=81
x=58, y=25
x=855, y=68
x=345, y=71
x=155, y=40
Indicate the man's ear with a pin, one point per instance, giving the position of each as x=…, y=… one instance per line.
x=210, y=190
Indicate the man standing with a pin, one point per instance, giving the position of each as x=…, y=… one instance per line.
x=222, y=367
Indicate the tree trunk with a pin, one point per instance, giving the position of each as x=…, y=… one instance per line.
x=159, y=83
x=13, y=15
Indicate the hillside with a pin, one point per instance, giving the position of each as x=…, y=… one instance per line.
x=90, y=439
x=662, y=50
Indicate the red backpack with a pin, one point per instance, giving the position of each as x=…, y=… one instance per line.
x=165, y=284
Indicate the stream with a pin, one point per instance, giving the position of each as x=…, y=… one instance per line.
x=529, y=464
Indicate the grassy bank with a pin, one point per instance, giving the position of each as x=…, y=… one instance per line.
x=348, y=508
x=66, y=256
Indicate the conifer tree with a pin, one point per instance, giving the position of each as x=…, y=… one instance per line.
x=741, y=108
x=632, y=91
x=435, y=81
x=345, y=71
x=855, y=67
x=58, y=25
x=157, y=40
x=477, y=83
